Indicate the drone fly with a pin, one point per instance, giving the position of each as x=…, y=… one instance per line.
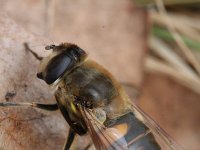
x=92, y=100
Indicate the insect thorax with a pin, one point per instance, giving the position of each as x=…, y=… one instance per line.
x=89, y=82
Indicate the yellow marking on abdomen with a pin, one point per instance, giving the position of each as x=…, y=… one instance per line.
x=122, y=128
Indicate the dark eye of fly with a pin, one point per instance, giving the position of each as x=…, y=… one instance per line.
x=57, y=67
x=74, y=54
x=68, y=57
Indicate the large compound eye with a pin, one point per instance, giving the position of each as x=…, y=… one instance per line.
x=56, y=68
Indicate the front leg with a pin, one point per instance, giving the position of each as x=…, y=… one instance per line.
x=48, y=107
x=27, y=48
x=70, y=139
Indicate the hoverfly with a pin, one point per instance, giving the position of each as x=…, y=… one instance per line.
x=92, y=100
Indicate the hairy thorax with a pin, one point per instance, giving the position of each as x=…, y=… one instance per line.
x=93, y=83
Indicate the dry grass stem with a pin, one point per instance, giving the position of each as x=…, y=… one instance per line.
x=157, y=66
x=179, y=25
x=164, y=51
x=190, y=21
x=173, y=64
x=178, y=19
x=183, y=47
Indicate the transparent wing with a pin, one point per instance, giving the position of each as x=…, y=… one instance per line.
x=102, y=137
x=111, y=138
x=164, y=140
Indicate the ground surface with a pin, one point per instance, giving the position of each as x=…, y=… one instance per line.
x=114, y=34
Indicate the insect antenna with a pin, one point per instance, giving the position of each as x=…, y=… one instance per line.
x=27, y=48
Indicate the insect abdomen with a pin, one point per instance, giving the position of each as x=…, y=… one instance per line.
x=136, y=134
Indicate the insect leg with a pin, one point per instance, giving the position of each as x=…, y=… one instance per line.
x=88, y=146
x=70, y=139
x=49, y=107
x=32, y=52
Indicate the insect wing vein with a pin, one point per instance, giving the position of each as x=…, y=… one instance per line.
x=103, y=138
x=161, y=136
